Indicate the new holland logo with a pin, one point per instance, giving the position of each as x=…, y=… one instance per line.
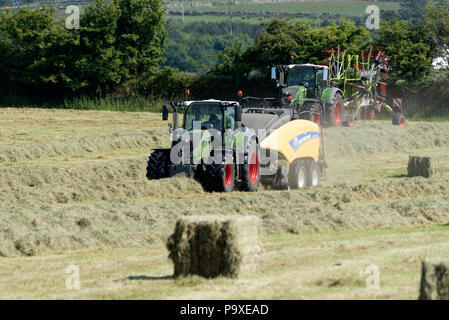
x=298, y=141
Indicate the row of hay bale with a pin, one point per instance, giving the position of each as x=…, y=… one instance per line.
x=230, y=246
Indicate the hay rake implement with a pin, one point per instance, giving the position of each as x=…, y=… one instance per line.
x=343, y=89
x=360, y=78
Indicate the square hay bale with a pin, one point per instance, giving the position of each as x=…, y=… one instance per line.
x=435, y=280
x=212, y=246
x=419, y=167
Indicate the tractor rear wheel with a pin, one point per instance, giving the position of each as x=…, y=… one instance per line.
x=251, y=169
x=297, y=175
x=157, y=167
x=217, y=177
x=399, y=119
x=336, y=111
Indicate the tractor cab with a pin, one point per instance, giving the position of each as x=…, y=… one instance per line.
x=206, y=115
x=300, y=81
x=210, y=114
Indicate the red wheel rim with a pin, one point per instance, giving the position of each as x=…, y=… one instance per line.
x=371, y=116
x=338, y=112
x=253, y=168
x=228, y=175
x=316, y=116
x=402, y=123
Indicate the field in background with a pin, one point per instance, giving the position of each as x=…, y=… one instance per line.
x=246, y=10
x=217, y=10
x=75, y=180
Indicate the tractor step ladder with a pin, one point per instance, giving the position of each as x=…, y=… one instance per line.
x=321, y=155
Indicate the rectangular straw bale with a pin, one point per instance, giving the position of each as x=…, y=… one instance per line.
x=419, y=167
x=212, y=246
x=434, y=280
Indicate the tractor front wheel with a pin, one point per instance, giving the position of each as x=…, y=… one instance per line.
x=217, y=177
x=336, y=111
x=157, y=167
x=251, y=169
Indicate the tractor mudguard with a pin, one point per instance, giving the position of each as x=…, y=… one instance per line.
x=241, y=139
x=328, y=94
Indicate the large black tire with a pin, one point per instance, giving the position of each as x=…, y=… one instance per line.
x=314, y=174
x=250, y=170
x=298, y=175
x=217, y=178
x=336, y=111
x=399, y=119
x=157, y=167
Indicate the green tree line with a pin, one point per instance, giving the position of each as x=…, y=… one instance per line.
x=116, y=41
x=122, y=44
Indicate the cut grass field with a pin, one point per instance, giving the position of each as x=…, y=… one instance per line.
x=308, y=266
x=75, y=180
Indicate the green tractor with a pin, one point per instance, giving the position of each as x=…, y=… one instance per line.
x=211, y=146
x=336, y=94
x=226, y=148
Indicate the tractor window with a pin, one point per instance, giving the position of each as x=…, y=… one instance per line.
x=299, y=76
x=321, y=76
x=209, y=114
x=230, y=118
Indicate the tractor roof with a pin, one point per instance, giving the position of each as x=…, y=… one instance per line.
x=188, y=103
x=307, y=65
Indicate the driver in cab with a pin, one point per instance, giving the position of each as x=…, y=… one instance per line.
x=214, y=121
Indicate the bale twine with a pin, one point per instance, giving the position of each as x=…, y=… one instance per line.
x=212, y=246
x=435, y=280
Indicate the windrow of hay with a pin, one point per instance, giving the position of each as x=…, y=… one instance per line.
x=212, y=246
x=377, y=137
x=125, y=179
x=339, y=142
x=120, y=179
x=87, y=144
x=176, y=188
x=31, y=229
x=101, y=173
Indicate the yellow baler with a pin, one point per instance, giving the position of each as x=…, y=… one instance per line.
x=291, y=153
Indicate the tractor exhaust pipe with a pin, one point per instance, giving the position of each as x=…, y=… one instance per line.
x=238, y=117
x=175, y=116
